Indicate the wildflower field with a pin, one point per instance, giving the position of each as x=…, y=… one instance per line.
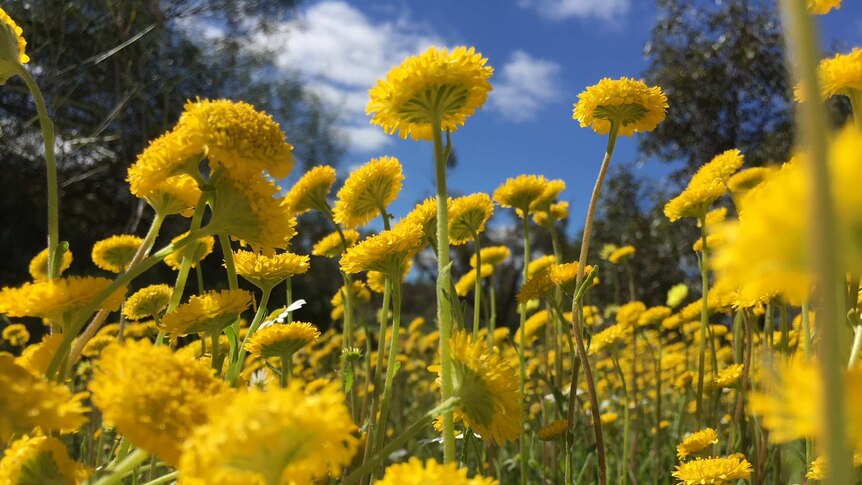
x=751, y=377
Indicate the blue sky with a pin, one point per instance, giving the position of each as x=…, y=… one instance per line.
x=544, y=53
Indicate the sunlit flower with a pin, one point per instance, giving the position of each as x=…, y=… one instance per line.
x=367, y=191
x=821, y=7
x=40, y=459
x=425, y=215
x=532, y=326
x=154, y=397
x=16, y=334
x=728, y=376
x=39, y=265
x=169, y=155
x=37, y=357
x=842, y=74
x=147, y=302
x=414, y=472
x=175, y=195
x=267, y=271
x=58, y=299
x=540, y=265
x=634, y=106
x=467, y=283
x=311, y=190
x=744, y=180
x=713, y=471
x=621, y=254
x=377, y=281
x=706, y=185
x=565, y=276
x=13, y=44
x=555, y=213
x=207, y=313
x=554, y=431
x=610, y=337
x=442, y=85
x=281, y=339
x=696, y=442
x=521, y=192
x=653, y=315
x=493, y=255
x=196, y=251
x=116, y=252
x=387, y=252
x=468, y=216
x=332, y=246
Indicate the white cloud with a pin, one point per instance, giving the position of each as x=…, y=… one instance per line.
x=523, y=85
x=340, y=52
x=564, y=9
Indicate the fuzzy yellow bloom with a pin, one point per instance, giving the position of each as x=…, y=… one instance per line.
x=175, y=195
x=747, y=179
x=467, y=283
x=148, y=301
x=376, y=280
x=676, y=295
x=12, y=43
x=533, y=325
x=16, y=334
x=630, y=313
x=468, y=216
x=706, y=185
x=521, y=192
x=154, y=397
x=621, y=254
x=368, y=190
x=332, y=246
x=728, y=376
x=174, y=153
x=197, y=251
x=493, y=255
x=696, y=442
x=39, y=265
x=37, y=357
x=540, y=265
x=236, y=136
x=554, y=431
x=822, y=7
x=311, y=190
x=555, y=213
x=565, y=276
x=713, y=471
x=387, y=252
x=28, y=401
x=634, y=106
x=359, y=292
x=414, y=472
x=116, y=252
x=267, y=271
x=40, y=459
x=281, y=339
x=276, y=437
x=653, y=315
x=58, y=299
x=207, y=313
x=487, y=384
x=535, y=287
x=610, y=337
x=552, y=190
x=442, y=85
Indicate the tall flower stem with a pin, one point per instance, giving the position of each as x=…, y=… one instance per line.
x=704, y=321
x=477, y=290
x=371, y=445
x=811, y=118
x=624, y=464
x=522, y=363
x=124, y=468
x=577, y=307
x=51, y=168
x=392, y=364
x=444, y=308
x=235, y=368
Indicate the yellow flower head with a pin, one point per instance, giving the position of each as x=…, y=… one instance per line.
x=12, y=46
x=281, y=339
x=822, y=7
x=467, y=283
x=197, y=251
x=621, y=254
x=332, y=246
x=249, y=210
x=676, y=295
x=16, y=334
x=488, y=388
x=387, y=252
x=554, y=431
x=555, y=213
x=840, y=75
x=494, y=255
x=541, y=264
x=367, y=190
x=630, y=313
x=708, y=184
x=278, y=436
x=634, y=106
x=39, y=265
x=359, y=293
x=468, y=217
x=36, y=358
x=414, y=472
x=174, y=153
x=425, y=215
x=552, y=190
x=713, y=471
x=610, y=337
x=535, y=287
x=437, y=85
x=565, y=276
x=521, y=192
x=148, y=301
x=116, y=252
x=817, y=470
x=40, y=459
x=207, y=313
x=728, y=376
x=236, y=136
x=532, y=326
x=653, y=315
x=745, y=180
x=267, y=271
x=696, y=442
x=377, y=281
x=311, y=190
x=161, y=414
x=57, y=299
x=28, y=401
x=175, y=195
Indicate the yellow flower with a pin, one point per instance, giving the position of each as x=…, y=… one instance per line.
x=488, y=388
x=36, y=358
x=555, y=213
x=116, y=252
x=40, y=459
x=535, y=287
x=12, y=47
x=57, y=299
x=377, y=281
x=414, y=472
x=817, y=470
x=236, y=136
x=747, y=179
x=207, y=313
x=728, y=376
x=493, y=255
x=468, y=216
x=278, y=436
x=565, y=276
x=437, y=85
x=331, y=245
x=696, y=442
x=706, y=185
x=712, y=242
x=467, y=283
x=677, y=295
x=367, y=190
x=630, y=313
x=621, y=254
x=359, y=292
x=281, y=340
x=249, y=209
x=821, y=7
x=609, y=337
x=630, y=103
x=175, y=195
x=97, y=344
x=174, y=153
x=16, y=334
x=713, y=471
x=154, y=397
x=609, y=418
x=653, y=315
x=532, y=326
x=387, y=252
x=554, y=431
x=521, y=192
x=539, y=265
x=28, y=401
x=425, y=215
x=311, y=190
x=147, y=302
x=841, y=74
x=267, y=271
x=197, y=251
x=39, y=265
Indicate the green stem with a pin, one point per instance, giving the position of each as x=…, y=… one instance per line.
x=289, y=297
x=164, y=478
x=492, y=319
x=857, y=345
x=284, y=378
x=124, y=468
x=372, y=444
x=522, y=364
x=704, y=321
x=444, y=310
x=215, y=352
x=235, y=369
x=477, y=290
x=392, y=363
x=623, y=478
x=188, y=253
